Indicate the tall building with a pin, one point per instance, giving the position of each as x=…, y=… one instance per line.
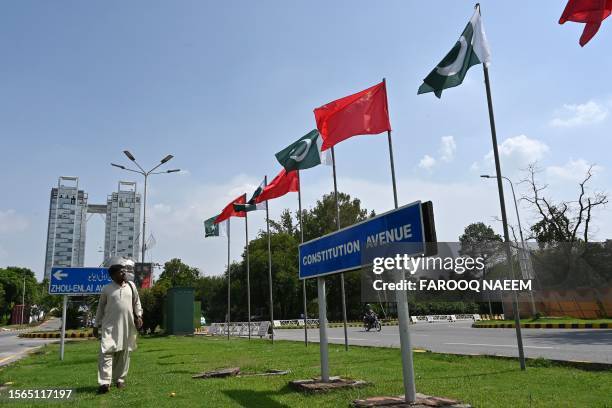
x=67, y=225
x=122, y=233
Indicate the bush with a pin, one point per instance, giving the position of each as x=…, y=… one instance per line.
x=152, y=301
x=73, y=317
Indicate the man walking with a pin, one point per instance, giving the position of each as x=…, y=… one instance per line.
x=118, y=317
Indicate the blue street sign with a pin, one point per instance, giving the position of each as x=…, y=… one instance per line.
x=346, y=249
x=78, y=281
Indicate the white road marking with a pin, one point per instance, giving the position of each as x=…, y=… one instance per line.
x=499, y=345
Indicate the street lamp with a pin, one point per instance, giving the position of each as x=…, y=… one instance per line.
x=518, y=218
x=146, y=174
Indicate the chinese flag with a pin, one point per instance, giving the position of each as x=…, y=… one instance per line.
x=282, y=184
x=363, y=113
x=591, y=12
x=229, y=211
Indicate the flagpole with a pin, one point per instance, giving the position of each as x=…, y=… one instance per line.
x=502, y=204
x=246, y=230
x=343, y=294
x=302, y=241
x=391, y=158
x=403, y=312
x=500, y=188
x=269, y=266
x=228, y=279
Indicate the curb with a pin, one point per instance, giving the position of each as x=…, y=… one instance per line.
x=545, y=326
x=56, y=335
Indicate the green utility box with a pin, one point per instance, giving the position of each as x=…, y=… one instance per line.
x=179, y=311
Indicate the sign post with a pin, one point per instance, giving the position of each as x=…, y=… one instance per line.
x=346, y=250
x=75, y=282
x=63, y=334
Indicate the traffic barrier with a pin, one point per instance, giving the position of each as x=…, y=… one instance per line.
x=237, y=329
x=296, y=322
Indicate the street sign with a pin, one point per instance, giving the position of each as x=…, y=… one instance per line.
x=78, y=281
x=345, y=249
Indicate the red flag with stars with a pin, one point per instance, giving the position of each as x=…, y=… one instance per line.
x=363, y=113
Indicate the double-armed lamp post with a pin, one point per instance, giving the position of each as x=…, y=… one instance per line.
x=146, y=174
x=524, y=252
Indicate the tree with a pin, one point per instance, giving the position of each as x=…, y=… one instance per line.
x=177, y=273
x=564, y=221
x=321, y=219
x=477, y=233
x=11, y=281
x=47, y=302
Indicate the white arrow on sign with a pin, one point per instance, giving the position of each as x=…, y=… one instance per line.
x=59, y=275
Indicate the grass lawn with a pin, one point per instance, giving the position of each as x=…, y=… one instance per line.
x=544, y=320
x=163, y=365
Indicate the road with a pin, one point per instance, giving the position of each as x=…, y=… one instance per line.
x=460, y=338
x=13, y=347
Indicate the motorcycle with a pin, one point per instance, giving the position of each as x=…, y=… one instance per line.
x=371, y=322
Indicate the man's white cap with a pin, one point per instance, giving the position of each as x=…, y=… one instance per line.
x=119, y=260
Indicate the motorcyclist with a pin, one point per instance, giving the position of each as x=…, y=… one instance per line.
x=369, y=314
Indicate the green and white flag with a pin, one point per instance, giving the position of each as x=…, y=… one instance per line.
x=304, y=153
x=214, y=230
x=471, y=49
x=251, y=205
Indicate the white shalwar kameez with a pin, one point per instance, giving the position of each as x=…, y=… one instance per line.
x=117, y=330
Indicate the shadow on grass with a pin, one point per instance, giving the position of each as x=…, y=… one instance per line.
x=89, y=389
x=167, y=356
x=250, y=398
x=180, y=372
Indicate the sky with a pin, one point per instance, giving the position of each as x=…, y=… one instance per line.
x=224, y=85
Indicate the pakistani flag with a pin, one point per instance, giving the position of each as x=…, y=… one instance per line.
x=251, y=205
x=304, y=153
x=213, y=230
x=471, y=49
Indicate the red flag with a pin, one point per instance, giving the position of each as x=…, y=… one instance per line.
x=363, y=113
x=591, y=12
x=146, y=282
x=229, y=211
x=282, y=184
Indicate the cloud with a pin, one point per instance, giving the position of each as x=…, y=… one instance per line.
x=447, y=148
x=580, y=114
x=427, y=162
x=161, y=208
x=11, y=222
x=573, y=170
x=519, y=151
